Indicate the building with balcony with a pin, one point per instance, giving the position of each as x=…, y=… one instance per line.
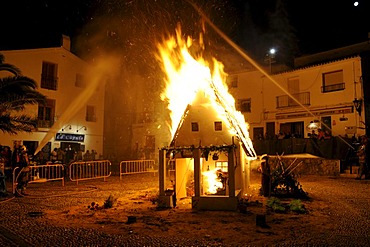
x=74, y=112
x=325, y=90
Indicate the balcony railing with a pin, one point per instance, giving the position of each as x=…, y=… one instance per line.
x=333, y=87
x=49, y=82
x=284, y=101
x=44, y=123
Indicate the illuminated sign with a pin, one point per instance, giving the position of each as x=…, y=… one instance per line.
x=69, y=137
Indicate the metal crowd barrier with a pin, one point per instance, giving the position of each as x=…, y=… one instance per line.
x=85, y=170
x=136, y=166
x=41, y=174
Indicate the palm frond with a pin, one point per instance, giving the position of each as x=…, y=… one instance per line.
x=19, y=91
x=16, y=92
x=17, y=82
x=14, y=124
x=10, y=68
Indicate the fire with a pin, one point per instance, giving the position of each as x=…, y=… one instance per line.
x=211, y=181
x=187, y=76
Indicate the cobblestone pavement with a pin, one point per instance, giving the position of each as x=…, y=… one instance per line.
x=23, y=221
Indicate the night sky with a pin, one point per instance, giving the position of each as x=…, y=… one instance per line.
x=294, y=27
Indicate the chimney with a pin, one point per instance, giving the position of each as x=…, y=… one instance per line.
x=66, y=42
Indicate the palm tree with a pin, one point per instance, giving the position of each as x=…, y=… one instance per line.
x=16, y=92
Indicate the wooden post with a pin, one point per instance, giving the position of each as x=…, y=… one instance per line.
x=231, y=172
x=197, y=172
x=162, y=171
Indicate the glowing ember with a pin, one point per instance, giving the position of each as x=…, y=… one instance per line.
x=187, y=75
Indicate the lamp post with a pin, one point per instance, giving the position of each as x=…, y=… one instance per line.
x=357, y=103
x=270, y=58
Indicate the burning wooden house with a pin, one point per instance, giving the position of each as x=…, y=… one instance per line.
x=208, y=157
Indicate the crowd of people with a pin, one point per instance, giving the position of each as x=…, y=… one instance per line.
x=19, y=158
x=65, y=156
x=320, y=135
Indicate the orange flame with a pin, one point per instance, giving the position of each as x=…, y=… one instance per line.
x=211, y=181
x=187, y=75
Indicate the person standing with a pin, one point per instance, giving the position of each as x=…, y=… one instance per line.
x=87, y=155
x=266, y=175
x=363, y=159
x=93, y=154
x=60, y=155
x=54, y=155
x=69, y=155
x=24, y=173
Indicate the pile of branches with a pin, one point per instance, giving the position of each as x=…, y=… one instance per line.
x=283, y=181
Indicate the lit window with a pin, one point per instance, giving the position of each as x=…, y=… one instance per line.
x=223, y=165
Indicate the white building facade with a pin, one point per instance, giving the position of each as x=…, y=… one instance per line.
x=324, y=96
x=74, y=112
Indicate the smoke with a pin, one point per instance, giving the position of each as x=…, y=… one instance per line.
x=96, y=77
x=130, y=30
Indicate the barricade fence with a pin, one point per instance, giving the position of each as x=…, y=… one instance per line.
x=80, y=170
x=40, y=174
x=136, y=166
x=86, y=170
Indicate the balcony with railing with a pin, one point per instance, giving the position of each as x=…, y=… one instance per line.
x=284, y=101
x=333, y=87
x=49, y=82
x=44, y=123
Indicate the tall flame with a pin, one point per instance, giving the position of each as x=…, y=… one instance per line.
x=187, y=75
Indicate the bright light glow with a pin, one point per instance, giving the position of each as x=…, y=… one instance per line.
x=355, y=3
x=186, y=76
x=211, y=182
x=272, y=51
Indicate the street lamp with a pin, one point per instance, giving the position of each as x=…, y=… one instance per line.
x=357, y=103
x=270, y=57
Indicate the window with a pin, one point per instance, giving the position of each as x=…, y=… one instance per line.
x=244, y=105
x=293, y=89
x=90, y=113
x=332, y=81
x=80, y=81
x=194, y=127
x=218, y=126
x=223, y=165
x=49, y=79
x=45, y=116
x=232, y=81
x=293, y=85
